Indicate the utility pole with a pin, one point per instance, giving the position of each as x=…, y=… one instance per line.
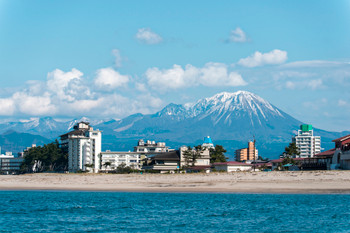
x=254, y=148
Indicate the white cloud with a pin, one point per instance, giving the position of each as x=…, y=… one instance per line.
x=147, y=36
x=274, y=57
x=342, y=103
x=173, y=78
x=315, y=84
x=34, y=105
x=109, y=79
x=58, y=82
x=141, y=87
x=118, y=58
x=7, y=106
x=216, y=74
x=212, y=74
x=290, y=85
x=238, y=35
x=314, y=64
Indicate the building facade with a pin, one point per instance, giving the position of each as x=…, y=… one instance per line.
x=83, y=146
x=232, y=166
x=151, y=147
x=203, y=160
x=308, y=144
x=9, y=164
x=247, y=154
x=111, y=160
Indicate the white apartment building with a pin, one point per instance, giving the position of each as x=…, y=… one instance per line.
x=308, y=144
x=83, y=145
x=111, y=160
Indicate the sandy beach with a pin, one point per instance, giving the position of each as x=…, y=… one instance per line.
x=239, y=182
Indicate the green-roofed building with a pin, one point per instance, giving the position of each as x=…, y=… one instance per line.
x=308, y=144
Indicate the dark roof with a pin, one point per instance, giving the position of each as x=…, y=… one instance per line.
x=233, y=163
x=342, y=138
x=196, y=168
x=326, y=153
x=280, y=160
x=80, y=132
x=173, y=155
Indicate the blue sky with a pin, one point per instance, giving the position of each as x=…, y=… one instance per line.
x=109, y=59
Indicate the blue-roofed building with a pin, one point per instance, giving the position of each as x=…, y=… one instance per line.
x=208, y=143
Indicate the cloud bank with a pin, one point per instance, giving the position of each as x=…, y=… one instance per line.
x=211, y=74
x=274, y=57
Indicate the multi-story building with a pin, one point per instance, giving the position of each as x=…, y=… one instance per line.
x=247, y=154
x=110, y=160
x=308, y=144
x=9, y=164
x=83, y=146
x=150, y=147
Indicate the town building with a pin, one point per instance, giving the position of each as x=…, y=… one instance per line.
x=232, y=166
x=247, y=154
x=203, y=160
x=341, y=155
x=110, y=160
x=151, y=147
x=208, y=143
x=9, y=164
x=308, y=144
x=163, y=162
x=83, y=146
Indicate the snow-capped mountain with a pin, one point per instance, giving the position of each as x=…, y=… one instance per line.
x=236, y=116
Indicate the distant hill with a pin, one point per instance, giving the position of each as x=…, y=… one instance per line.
x=231, y=119
x=16, y=142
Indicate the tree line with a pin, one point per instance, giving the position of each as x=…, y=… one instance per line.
x=49, y=157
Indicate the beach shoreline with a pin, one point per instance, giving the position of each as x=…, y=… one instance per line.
x=298, y=182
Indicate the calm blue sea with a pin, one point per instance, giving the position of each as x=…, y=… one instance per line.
x=43, y=211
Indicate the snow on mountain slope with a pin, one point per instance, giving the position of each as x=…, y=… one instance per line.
x=224, y=106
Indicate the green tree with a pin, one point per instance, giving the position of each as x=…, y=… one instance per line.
x=217, y=154
x=106, y=164
x=192, y=154
x=123, y=169
x=291, y=150
x=45, y=158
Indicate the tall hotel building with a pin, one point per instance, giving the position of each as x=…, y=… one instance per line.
x=308, y=144
x=83, y=146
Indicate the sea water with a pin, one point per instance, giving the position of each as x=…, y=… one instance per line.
x=62, y=211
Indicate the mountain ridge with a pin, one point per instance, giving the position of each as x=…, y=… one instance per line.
x=227, y=117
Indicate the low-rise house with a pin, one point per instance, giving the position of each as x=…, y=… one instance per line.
x=163, y=162
x=232, y=166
